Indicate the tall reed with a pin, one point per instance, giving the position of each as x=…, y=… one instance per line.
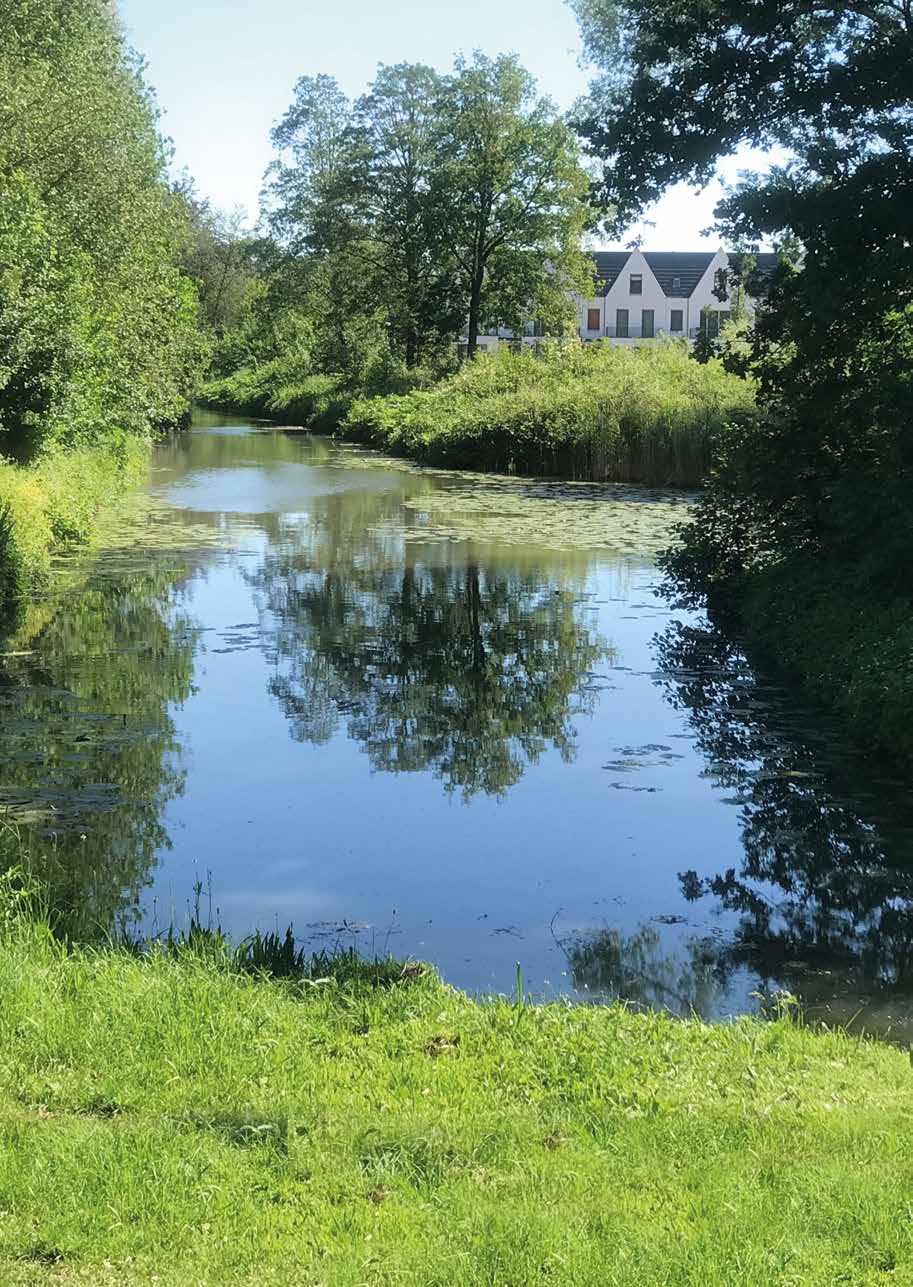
x=646, y=415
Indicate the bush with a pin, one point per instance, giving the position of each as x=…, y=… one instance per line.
x=52, y=506
x=645, y=415
x=98, y=327
x=851, y=650
x=286, y=390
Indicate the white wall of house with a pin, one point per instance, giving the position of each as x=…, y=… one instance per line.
x=702, y=296
x=651, y=299
x=584, y=308
x=604, y=309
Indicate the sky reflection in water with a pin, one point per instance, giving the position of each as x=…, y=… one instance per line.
x=444, y=715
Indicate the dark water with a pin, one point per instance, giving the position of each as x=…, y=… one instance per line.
x=447, y=716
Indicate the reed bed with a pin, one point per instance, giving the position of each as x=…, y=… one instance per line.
x=642, y=415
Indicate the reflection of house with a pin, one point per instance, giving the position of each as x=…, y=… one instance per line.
x=641, y=295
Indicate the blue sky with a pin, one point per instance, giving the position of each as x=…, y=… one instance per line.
x=224, y=72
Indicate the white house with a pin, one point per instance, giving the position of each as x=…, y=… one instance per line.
x=643, y=294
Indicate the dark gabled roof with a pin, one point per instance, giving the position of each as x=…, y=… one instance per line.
x=609, y=264
x=765, y=262
x=688, y=267
x=668, y=266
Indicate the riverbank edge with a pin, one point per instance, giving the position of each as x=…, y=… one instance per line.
x=648, y=416
x=570, y=464
x=53, y=506
x=852, y=655
x=169, y=1116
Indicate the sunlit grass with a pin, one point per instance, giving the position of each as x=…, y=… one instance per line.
x=171, y=1117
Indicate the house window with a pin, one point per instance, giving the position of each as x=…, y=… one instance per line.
x=712, y=320
x=593, y=319
x=637, y=284
x=676, y=287
x=677, y=319
x=646, y=323
x=621, y=323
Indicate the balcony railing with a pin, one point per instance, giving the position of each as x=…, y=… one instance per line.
x=638, y=333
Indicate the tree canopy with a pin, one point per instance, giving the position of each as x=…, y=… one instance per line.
x=432, y=201
x=681, y=85
x=97, y=322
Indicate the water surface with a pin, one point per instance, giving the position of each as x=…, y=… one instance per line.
x=444, y=715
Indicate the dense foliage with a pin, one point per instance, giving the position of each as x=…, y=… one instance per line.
x=431, y=203
x=808, y=520
x=98, y=334
x=97, y=324
x=630, y=415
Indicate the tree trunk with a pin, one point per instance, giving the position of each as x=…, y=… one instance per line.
x=474, y=594
x=475, y=307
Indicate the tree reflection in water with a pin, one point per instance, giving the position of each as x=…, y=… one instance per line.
x=824, y=892
x=88, y=754
x=466, y=670
x=636, y=969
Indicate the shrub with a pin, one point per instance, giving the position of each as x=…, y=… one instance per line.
x=646, y=415
x=52, y=506
x=286, y=390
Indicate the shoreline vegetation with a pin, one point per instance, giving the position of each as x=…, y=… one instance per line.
x=100, y=339
x=189, y=1112
x=52, y=506
x=192, y=1111
x=645, y=415
x=650, y=415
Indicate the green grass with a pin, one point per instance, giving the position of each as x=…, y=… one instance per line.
x=52, y=506
x=275, y=391
x=648, y=414
x=170, y=1118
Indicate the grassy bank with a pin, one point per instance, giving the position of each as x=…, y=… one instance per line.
x=170, y=1118
x=52, y=506
x=272, y=391
x=280, y=391
x=647, y=415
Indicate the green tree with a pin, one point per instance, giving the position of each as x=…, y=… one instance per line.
x=97, y=323
x=309, y=186
x=218, y=256
x=826, y=474
x=515, y=191
x=432, y=201
x=326, y=273
x=407, y=226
